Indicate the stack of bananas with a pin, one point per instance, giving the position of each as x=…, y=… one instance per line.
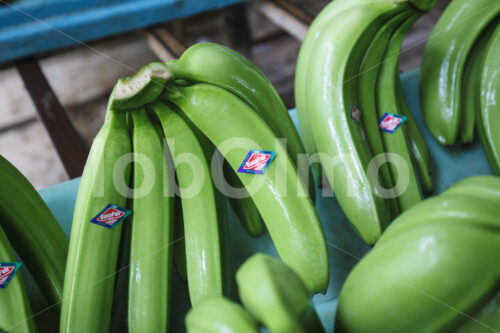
x=435, y=269
x=27, y=223
x=210, y=100
x=347, y=79
x=460, y=77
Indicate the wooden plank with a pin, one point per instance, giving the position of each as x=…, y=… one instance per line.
x=235, y=19
x=283, y=18
x=34, y=35
x=296, y=11
x=64, y=136
x=164, y=44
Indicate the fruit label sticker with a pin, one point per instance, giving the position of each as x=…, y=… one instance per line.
x=355, y=113
x=7, y=271
x=111, y=216
x=257, y=161
x=391, y=122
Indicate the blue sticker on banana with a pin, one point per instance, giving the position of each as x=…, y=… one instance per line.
x=390, y=122
x=257, y=161
x=7, y=272
x=111, y=216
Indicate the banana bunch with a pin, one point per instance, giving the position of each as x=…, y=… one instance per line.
x=347, y=79
x=459, y=78
x=435, y=269
x=272, y=294
x=38, y=240
x=173, y=139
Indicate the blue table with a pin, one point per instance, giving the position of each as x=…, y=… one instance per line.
x=345, y=247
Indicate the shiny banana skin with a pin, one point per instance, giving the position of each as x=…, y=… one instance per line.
x=443, y=64
x=289, y=217
x=486, y=187
x=418, y=147
x=367, y=80
x=152, y=230
x=336, y=135
x=203, y=212
x=218, y=65
x=33, y=231
x=471, y=82
x=93, y=249
x=489, y=111
x=219, y=315
x=403, y=283
x=15, y=310
x=276, y=296
x=387, y=101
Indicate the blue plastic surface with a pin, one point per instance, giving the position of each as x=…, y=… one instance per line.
x=345, y=247
x=31, y=27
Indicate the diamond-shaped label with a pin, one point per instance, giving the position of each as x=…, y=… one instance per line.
x=390, y=122
x=111, y=216
x=7, y=271
x=257, y=161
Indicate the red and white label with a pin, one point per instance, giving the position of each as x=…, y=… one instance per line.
x=110, y=216
x=257, y=162
x=390, y=123
x=5, y=273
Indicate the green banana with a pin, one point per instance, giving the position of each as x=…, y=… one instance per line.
x=219, y=315
x=218, y=65
x=443, y=64
x=397, y=142
x=15, y=310
x=418, y=147
x=152, y=229
x=93, y=249
x=331, y=90
x=276, y=296
x=33, y=231
x=289, y=216
x=178, y=242
x=484, y=320
x=486, y=187
x=489, y=99
x=203, y=212
x=471, y=82
x=143, y=87
x=421, y=281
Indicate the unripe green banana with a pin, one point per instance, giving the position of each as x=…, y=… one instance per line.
x=444, y=61
x=218, y=65
x=93, y=249
x=152, y=230
x=418, y=147
x=397, y=142
x=471, y=83
x=276, y=296
x=15, y=311
x=489, y=111
x=179, y=256
x=486, y=187
x=219, y=315
x=203, y=209
x=289, y=216
x=331, y=91
x=33, y=231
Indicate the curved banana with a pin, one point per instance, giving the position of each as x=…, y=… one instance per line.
x=276, y=296
x=289, y=215
x=444, y=61
x=93, y=249
x=486, y=187
x=331, y=90
x=489, y=111
x=219, y=315
x=15, y=310
x=387, y=101
x=218, y=65
x=152, y=229
x=33, y=231
x=471, y=82
x=202, y=207
x=418, y=147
